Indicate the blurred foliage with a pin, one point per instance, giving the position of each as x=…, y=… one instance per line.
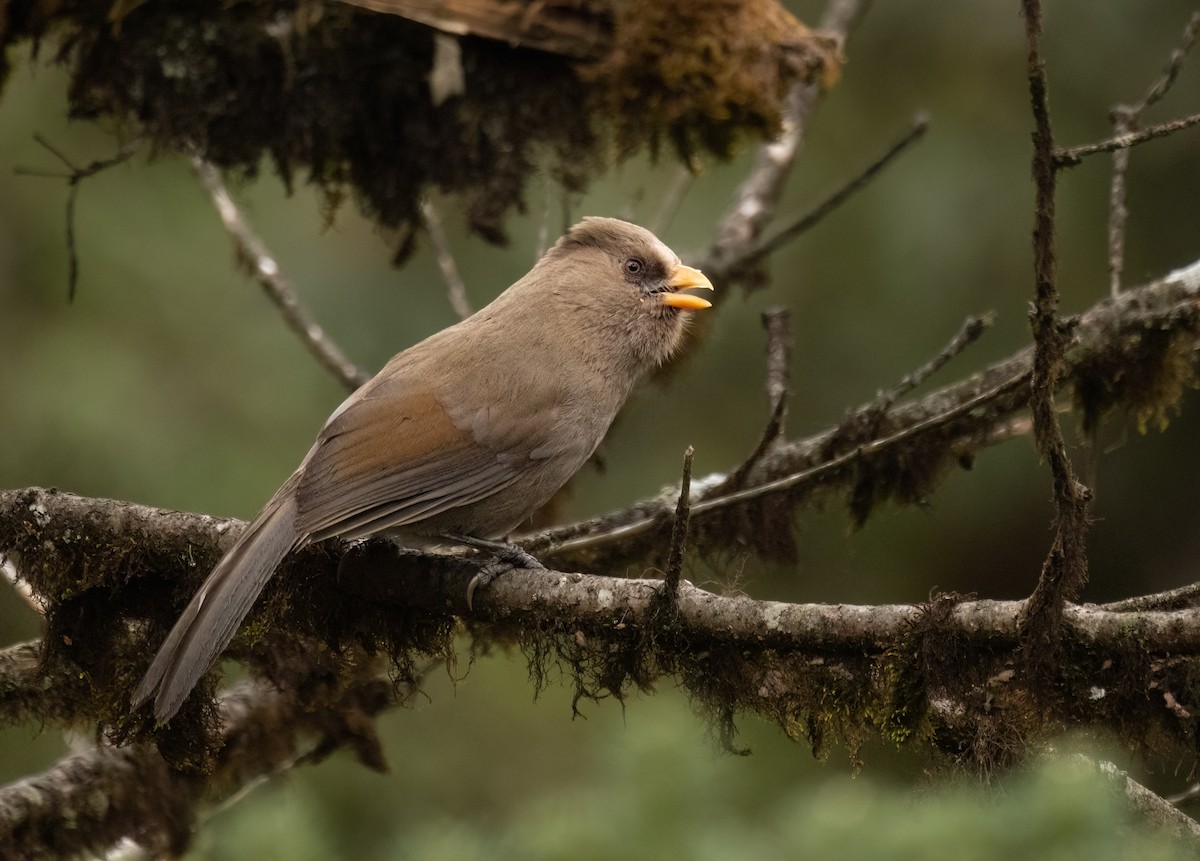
x=651, y=797
x=170, y=381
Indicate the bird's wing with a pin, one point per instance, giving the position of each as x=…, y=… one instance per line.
x=390, y=459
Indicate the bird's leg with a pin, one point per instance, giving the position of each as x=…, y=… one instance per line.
x=508, y=556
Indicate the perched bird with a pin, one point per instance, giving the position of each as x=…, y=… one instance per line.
x=462, y=435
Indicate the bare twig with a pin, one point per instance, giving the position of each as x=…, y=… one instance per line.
x=456, y=290
x=806, y=221
x=1065, y=570
x=778, y=324
x=1118, y=211
x=253, y=251
x=1071, y=156
x=672, y=200
x=972, y=328
x=1189, y=794
x=76, y=176
x=679, y=530
x=1172, y=599
x=1171, y=70
x=1125, y=119
x=873, y=447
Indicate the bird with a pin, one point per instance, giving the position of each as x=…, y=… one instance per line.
x=463, y=435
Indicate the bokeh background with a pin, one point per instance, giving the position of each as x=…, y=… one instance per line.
x=170, y=381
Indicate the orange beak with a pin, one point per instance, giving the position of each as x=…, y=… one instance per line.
x=687, y=278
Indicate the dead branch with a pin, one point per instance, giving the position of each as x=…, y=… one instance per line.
x=252, y=252
x=777, y=323
x=1071, y=156
x=809, y=219
x=971, y=331
x=456, y=290
x=1126, y=119
x=679, y=530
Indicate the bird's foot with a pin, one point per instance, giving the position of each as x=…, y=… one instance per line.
x=508, y=556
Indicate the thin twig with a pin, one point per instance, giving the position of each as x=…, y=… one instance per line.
x=1118, y=211
x=456, y=290
x=76, y=176
x=1172, y=599
x=968, y=334
x=1071, y=156
x=679, y=530
x=265, y=269
x=684, y=177
x=1171, y=70
x=920, y=125
x=778, y=324
x=875, y=446
x=1184, y=797
x=972, y=328
x=1126, y=119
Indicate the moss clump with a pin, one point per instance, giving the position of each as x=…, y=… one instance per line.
x=343, y=95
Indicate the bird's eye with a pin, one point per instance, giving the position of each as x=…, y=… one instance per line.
x=633, y=266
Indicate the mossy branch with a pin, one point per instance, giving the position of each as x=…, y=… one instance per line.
x=918, y=674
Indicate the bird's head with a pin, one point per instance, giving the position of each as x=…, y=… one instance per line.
x=623, y=283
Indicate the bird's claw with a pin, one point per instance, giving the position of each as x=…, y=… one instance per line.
x=508, y=556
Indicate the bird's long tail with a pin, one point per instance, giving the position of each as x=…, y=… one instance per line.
x=215, y=612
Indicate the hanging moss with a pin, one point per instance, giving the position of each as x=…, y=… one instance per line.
x=342, y=96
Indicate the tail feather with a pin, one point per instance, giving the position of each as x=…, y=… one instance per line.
x=218, y=608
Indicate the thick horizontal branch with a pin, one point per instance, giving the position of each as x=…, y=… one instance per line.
x=400, y=577
x=948, y=670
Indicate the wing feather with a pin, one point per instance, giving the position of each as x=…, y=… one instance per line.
x=386, y=462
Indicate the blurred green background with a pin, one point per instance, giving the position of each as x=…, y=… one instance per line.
x=170, y=381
